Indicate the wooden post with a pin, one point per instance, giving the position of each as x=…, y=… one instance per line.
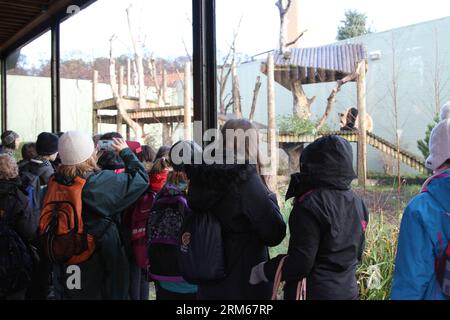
x=121, y=78
x=128, y=133
x=271, y=139
x=94, y=99
x=129, y=77
x=119, y=121
x=187, y=101
x=362, y=136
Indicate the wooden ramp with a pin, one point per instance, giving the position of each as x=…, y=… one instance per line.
x=375, y=141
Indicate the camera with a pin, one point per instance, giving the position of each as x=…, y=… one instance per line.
x=105, y=145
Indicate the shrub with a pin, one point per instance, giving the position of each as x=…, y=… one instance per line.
x=376, y=270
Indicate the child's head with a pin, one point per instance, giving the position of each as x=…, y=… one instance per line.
x=179, y=179
x=160, y=165
x=163, y=152
x=439, y=146
x=147, y=156
x=111, y=135
x=10, y=140
x=445, y=111
x=29, y=151
x=8, y=167
x=77, y=153
x=47, y=145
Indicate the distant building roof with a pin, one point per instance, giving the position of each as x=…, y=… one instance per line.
x=315, y=65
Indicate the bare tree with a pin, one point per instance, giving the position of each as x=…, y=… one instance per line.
x=283, y=8
x=117, y=97
x=236, y=91
x=439, y=81
x=226, y=71
x=302, y=104
x=255, y=98
x=138, y=61
x=332, y=98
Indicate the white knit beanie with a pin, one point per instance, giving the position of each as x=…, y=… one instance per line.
x=445, y=111
x=439, y=145
x=75, y=147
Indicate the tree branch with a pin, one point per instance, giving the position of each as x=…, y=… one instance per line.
x=296, y=39
x=332, y=98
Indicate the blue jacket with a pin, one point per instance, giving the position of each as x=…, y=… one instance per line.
x=424, y=234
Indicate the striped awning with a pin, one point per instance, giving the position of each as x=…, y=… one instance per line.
x=316, y=65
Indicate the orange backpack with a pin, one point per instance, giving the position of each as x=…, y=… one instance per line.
x=61, y=228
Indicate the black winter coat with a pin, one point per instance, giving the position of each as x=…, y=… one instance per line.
x=25, y=223
x=327, y=225
x=250, y=220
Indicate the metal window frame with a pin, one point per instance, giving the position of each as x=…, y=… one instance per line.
x=204, y=65
x=55, y=77
x=204, y=62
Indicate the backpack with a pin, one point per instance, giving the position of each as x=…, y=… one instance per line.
x=201, y=255
x=136, y=219
x=164, y=229
x=443, y=271
x=16, y=264
x=62, y=232
x=31, y=183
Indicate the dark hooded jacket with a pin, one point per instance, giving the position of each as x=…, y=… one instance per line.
x=250, y=221
x=39, y=167
x=327, y=224
x=105, y=275
x=25, y=222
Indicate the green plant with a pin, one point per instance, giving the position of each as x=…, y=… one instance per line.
x=296, y=125
x=423, y=144
x=354, y=25
x=377, y=267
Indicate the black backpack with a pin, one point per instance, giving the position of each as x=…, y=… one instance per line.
x=16, y=263
x=31, y=183
x=201, y=255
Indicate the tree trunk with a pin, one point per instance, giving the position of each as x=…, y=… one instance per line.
x=236, y=92
x=187, y=101
x=302, y=104
x=154, y=76
x=332, y=98
x=117, y=98
x=94, y=99
x=283, y=27
x=164, y=88
x=362, y=138
x=139, y=63
x=167, y=134
x=128, y=77
x=271, y=139
x=255, y=98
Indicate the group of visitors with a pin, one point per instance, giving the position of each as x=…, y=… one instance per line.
x=85, y=217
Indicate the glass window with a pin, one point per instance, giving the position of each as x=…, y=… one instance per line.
x=160, y=33
x=29, y=88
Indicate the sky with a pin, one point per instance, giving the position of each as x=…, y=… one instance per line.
x=165, y=26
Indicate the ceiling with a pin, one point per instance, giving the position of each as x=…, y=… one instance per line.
x=22, y=20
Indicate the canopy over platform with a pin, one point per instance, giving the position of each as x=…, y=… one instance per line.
x=316, y=65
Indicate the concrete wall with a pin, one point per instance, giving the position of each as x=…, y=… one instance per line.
x=419, y=51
